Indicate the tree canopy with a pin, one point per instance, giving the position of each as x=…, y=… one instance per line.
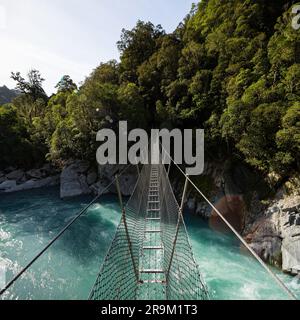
x=231, y=67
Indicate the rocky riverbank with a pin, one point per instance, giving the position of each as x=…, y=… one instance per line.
x=79, y=177
x=13, y=180
x=271, y=225
x=75, y=178
x=275, y=235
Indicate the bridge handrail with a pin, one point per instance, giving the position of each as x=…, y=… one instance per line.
x=255, y=255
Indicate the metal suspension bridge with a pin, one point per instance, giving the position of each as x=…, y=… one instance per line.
x=151, y=257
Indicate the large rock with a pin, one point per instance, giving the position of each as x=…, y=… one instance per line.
x=99, y=188
x=265, y=239
x=127, y=179
x=35, y=184
x=73, y=180
x=276, y=236
x=15, y=175
x=8, y=186
x=291, y=255
x=290, y=231
x=12, y=186
x=91, y=177
x=35, y=174
x=127, y=183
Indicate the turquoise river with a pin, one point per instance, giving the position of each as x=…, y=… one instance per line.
x=28, y=220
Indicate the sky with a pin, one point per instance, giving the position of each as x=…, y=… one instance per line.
x=72, y=37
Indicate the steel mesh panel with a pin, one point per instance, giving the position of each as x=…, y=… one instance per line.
x=184, y=281
x=180, y=278
x=117, y=279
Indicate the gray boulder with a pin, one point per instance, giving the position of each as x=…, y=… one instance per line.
x=73, y=182
x=91, y=178
x=127, y=179
x=8, y=186
x=127, y=184
x=35, y=184
x=15, y=175
x=12, y=186
x=35, y=174
x=291, y=255
x=191, y=203
x=99, y=188
x=276, y=235
x=265, y=239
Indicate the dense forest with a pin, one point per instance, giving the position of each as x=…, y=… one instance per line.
x=231, y=67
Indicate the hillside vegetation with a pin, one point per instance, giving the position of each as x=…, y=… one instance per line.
x=7, y=95
x=231, y=67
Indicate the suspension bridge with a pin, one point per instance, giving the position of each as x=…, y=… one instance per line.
x=150, y=257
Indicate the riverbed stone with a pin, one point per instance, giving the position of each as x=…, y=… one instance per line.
x=35, y=174
x=72, y=180
x=91, y=178
x=191, y=203
x=127, y=179
x=11, y=185
x=280, y=222
x=99, y=188
x=8, y=185
x=15, y=175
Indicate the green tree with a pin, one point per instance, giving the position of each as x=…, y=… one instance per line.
x=33, y=86
x=66, y=84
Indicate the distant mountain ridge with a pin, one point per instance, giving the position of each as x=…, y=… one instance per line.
x=7, y=95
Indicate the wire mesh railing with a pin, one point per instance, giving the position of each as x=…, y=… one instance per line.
x=117, y=278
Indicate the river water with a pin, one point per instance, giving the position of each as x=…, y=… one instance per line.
x=28, y=220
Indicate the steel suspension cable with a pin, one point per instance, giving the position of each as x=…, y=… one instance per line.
x=82, y=212
x=256, y=256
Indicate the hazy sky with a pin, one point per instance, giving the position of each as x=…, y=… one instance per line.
x=72, y=37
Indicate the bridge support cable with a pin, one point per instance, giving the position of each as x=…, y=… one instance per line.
x=236, y=233
x=59, y=235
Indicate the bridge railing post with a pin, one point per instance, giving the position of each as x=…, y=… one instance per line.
x=126, y=227
x=180, y=216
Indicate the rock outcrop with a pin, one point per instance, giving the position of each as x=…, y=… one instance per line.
x=127, y=179
x=276, y=235
x=79, y=178
x=13, y=180
x=73, y=181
